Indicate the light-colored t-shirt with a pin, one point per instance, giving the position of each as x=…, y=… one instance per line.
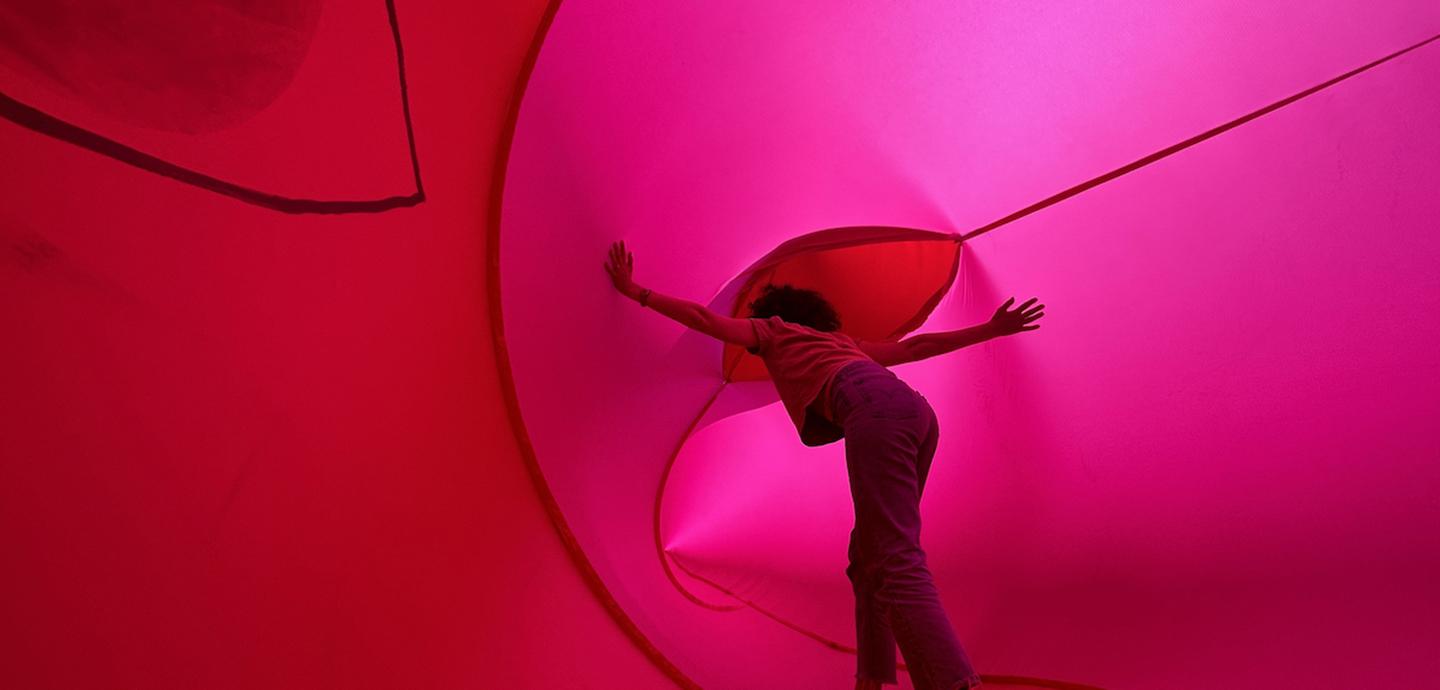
x=801, y=362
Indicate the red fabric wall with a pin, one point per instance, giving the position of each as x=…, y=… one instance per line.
x=242, y=449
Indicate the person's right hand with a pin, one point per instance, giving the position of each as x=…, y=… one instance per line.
x=621, y=267
x=1020, y=319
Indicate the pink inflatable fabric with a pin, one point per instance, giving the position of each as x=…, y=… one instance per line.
x=1213, y=467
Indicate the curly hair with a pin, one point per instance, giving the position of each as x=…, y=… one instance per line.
x=796, y=305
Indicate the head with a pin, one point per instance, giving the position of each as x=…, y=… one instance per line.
x=795, y=305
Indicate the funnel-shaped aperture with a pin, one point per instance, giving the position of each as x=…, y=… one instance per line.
x=881, y=287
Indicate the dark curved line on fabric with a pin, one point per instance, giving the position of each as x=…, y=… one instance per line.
x=44, y=123
x=1176, y=148
x=582, y=563
x=665, y=556
x=587, y=570
x=728, y=369
x=405, y=98
x=995, y=679
x=1028, y=210
x=839, y=647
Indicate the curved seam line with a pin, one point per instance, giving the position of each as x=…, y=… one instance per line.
x=660, y=551
x=508, y=383
x=507, y=380
x=997, y=679
x=666, y=557
x=43, y=123
x=405, y=97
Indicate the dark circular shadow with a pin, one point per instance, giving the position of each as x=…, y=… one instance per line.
x=189, y=67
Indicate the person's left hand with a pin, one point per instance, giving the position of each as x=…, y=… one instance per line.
x=621, y=267
x=1011, y=322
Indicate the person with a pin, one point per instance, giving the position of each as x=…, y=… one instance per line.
x=835, y=386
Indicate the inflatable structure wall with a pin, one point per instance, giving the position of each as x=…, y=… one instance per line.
x=312, y=376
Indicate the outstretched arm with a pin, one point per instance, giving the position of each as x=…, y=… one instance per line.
x=1004, y=322
x=621, y=266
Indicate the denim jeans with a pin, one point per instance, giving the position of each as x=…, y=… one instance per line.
x=890, y=437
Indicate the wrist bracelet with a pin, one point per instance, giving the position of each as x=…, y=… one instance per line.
x=644, y=296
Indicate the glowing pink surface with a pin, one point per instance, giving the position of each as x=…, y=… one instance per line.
x=1214, y=465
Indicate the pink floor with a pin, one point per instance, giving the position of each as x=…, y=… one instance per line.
x=326, y=403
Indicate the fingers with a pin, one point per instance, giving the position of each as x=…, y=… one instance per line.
x=612, y=265
x=1022, y=318
x=620, y=256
